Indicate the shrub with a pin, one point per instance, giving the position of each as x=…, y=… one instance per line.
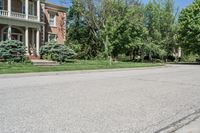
x=190, y=58
x=12, y=51
x=56, y=52
x=198, y=60
x=157, y=61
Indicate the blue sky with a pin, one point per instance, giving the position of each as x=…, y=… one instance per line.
x=179, y=3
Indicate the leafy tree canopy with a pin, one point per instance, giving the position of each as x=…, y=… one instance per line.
x=189, y=28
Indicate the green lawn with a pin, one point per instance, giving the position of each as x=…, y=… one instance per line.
x=6, y=68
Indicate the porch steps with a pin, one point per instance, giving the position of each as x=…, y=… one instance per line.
x=39, y=62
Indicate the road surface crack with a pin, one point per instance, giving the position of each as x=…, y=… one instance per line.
x=171, y=128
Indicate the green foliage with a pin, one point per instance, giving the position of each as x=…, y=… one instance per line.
x=83, y=29
x=160, y=20
x=12, y=51
x=190, y=58
x=155, y=50
x=108, y=28
x=189, y=28
x=124, y=31
x=56, y=52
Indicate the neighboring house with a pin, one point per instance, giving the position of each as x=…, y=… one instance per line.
x=33, y=22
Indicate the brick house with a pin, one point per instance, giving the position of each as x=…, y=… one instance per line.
x=33, y=22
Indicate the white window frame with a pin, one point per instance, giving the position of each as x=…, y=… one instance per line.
x=2, y=6
x=54, y=19
x=31, y=5
x=55, y=38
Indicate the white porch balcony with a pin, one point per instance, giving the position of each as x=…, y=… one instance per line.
x=18, y=15
x=3, y=13
x=29, y=10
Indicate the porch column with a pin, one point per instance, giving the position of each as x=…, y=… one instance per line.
x=38, y=9
x=26, y=8
x=9, y=32
x=38, y=42
x=27, y=40
x=9, y=8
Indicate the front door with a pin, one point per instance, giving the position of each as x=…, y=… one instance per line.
x=14, y=37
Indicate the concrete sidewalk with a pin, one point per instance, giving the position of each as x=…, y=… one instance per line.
x=193, y=127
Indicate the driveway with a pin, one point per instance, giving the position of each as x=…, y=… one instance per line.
x=112, y=101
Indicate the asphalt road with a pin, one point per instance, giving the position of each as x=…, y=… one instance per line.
x=112, y=101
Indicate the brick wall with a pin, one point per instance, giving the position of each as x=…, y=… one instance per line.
x=59, y=28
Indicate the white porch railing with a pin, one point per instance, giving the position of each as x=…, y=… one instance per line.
x=3, y=13
x=18, y=15
x=31, y=17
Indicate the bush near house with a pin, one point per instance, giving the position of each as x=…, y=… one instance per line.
x=56, y=52
x=12, y=51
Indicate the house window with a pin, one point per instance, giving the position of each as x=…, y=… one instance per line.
x=1, y=4
x=52, y=19
x=31, y=8
x=52, y=37
x=23, y=8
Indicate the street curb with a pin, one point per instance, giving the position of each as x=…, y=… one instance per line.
x=76, y=72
